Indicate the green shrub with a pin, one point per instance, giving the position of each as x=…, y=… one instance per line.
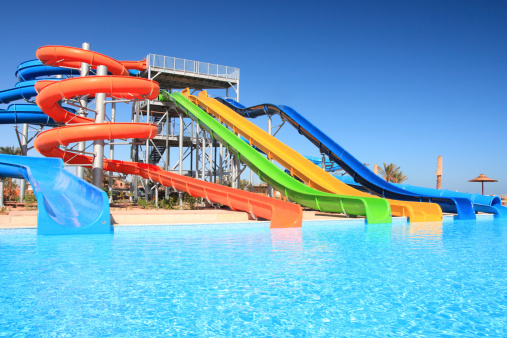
x=30, y=202
x=166, y=204
x=190, y=200
x=145, y=204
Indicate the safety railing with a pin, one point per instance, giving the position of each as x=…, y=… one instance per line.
x=183, y=66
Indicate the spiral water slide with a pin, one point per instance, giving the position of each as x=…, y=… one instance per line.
x=302, y=168
x=27, y=73
x=22, y=113
x=66, y=204
x=121, y=86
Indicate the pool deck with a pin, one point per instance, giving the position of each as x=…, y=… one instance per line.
x=20, y=219
x=136, y=217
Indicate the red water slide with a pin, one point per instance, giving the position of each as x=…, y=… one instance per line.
x=121, y=86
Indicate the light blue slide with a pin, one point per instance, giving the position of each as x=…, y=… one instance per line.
x=66, y=204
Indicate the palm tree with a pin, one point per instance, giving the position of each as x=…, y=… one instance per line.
x=10, y=188
x=392, y=173
x=398, y=177
x=8, y=181
x=88, y=176
x=244, y=185
x=10, y=150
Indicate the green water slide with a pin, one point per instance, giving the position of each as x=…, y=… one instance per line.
x=376, y=210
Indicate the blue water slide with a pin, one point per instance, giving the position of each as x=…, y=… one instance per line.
x=330, y=165
x=482, y=203
x=25, y=113
x=361, y=174
x=34, y=69
x=25, y=90
x=66, y=204
x=22, y=90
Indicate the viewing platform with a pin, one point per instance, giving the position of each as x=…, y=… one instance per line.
x=176, y=73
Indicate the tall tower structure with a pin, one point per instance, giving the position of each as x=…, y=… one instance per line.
x=181, y=146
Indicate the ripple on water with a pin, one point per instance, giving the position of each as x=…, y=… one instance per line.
x=327, y=279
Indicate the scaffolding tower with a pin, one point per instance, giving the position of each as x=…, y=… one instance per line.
x=181, y=146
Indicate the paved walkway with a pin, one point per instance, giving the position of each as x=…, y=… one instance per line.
x=136, y=217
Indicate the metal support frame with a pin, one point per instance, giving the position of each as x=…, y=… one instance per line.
x=85, y=69
x=134, y=186
x=167, y=151
x=180, y=160
x=198, y=154
x=24, y=141
x=1, y=193
x=98, y=145
x=24, y=151
x=269, y=189
x=111, y=153
x=203, y=156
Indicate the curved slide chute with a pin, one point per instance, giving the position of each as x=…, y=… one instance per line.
x=27, y=73
x=25, y=113
x=25, y=90
x=376, y=210
x=22, y=90
x=66, y=203
x=456, y=204
x=304, y=169
x=34, y=69
x=281, y=214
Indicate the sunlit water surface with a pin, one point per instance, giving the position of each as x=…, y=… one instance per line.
x=327, y=279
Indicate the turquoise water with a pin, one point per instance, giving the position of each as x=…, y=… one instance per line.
x=327, y=279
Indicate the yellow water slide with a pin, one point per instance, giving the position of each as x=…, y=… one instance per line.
x=299, y=166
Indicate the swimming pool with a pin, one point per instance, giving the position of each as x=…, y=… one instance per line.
x=327, y=279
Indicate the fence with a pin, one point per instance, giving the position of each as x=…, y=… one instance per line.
x=204, y=69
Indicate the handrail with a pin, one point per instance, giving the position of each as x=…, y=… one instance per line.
x=184, y=66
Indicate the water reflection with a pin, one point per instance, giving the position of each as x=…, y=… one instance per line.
x=423, y=235
x=379, y=233
x=73, y=246
x=287, y=239
x=431, y=230
x=419, y=234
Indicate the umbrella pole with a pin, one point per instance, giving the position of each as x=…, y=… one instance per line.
x=482, y=188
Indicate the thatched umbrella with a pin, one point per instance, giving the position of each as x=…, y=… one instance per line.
x=482, y=178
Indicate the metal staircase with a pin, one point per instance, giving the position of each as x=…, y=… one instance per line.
x=156, y=152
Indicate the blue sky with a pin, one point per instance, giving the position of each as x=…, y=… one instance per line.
x=396, y=81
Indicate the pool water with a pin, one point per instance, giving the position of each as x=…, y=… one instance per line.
x=328, y=279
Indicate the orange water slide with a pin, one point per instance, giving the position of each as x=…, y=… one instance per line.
x=282, y=214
